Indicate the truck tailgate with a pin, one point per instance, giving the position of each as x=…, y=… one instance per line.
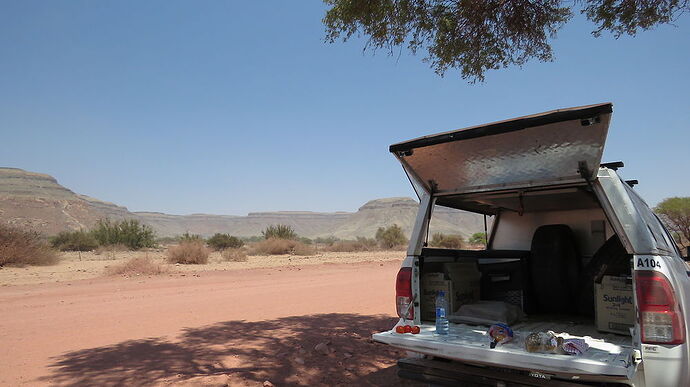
x=471, y=344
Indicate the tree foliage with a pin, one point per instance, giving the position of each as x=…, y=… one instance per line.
x=476, y=36
x=130, y=233
x=224, y=241
x=675, y=212
x=390, y=237
x=79, y=240
x=279, y=231
x=478, y=238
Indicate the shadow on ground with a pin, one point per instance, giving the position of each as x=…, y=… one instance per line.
x=243, y=353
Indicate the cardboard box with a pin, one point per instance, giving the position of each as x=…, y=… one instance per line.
x=460, y=281
x=466, y=280
x=432, y=283
x=614, y=309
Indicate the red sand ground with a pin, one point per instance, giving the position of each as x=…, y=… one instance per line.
x=211, y=328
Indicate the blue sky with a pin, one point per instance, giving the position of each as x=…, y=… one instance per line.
x=231, y=107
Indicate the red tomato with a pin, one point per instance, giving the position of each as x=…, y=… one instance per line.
x=407, y=328
x=400, y=329
x=415, y=329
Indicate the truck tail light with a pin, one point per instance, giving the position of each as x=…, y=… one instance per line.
x=661, y=320
x=403, y=293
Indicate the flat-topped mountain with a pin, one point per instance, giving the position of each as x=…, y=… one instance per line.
x=38, y=201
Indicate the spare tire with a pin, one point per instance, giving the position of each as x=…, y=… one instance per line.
x=554, y=269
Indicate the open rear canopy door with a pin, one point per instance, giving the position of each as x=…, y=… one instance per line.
x=556, y=147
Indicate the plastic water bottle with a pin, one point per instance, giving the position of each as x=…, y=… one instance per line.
x=441, y=313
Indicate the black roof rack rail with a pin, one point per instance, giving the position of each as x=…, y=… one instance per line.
x=632, y=183
x=613, y=165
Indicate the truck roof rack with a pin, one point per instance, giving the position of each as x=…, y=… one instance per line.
x=613, y=165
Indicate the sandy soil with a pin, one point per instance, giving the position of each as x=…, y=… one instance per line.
x=233, y=327
x=75, y=266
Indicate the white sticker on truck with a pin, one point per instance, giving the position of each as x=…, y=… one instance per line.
x=652, y=262
x=648, y=262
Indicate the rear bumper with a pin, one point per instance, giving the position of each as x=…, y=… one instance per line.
x=447, y=373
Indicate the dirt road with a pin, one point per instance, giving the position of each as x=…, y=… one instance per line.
x=213, y=328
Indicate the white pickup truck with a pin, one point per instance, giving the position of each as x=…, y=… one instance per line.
x=562, y=224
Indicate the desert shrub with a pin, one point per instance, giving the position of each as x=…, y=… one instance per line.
x=303, y=249
x=276, y=246
x=478, y=238
x=191, y=252
x=187, y=237
x=252, y=239
x=390, y=237
x=20, y=247
x=137, y=266
x=167, y=240
x=234, y=255
x=272, y=246
x=446, y=241
x=130, y=233
x=361, y=244
x=224, y=241
x=111, y=249
x=74, y=241
x=305, y=240
x=326, y=241
x=279, y=231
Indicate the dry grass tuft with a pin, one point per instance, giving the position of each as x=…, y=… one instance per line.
x=190, y=252
x=362, y=244
x=110, y=250
x=303, y=249
x=234, y=255
x=137, y=266
x=21, y=247
x=275, y=246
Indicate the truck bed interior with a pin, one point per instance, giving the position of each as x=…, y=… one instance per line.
x=552, y=283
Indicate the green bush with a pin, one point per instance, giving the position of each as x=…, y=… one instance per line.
x=478, y=238
x=74, y=241
x=130, y=233
x=279, y=231
x=224, y=241
x=446, y=241
x=390, y=237
x=187, y=237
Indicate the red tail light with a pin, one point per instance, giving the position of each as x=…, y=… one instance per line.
x=661, y=321
x=403, y=293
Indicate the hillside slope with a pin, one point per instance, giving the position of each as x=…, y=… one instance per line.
x=38, y=201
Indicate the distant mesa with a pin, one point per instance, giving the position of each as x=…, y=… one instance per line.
x=38, y=201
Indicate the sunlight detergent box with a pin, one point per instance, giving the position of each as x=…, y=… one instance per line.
x=615, y=311
x=459, y=280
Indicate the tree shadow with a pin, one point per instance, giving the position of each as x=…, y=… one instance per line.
x=240, y=352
